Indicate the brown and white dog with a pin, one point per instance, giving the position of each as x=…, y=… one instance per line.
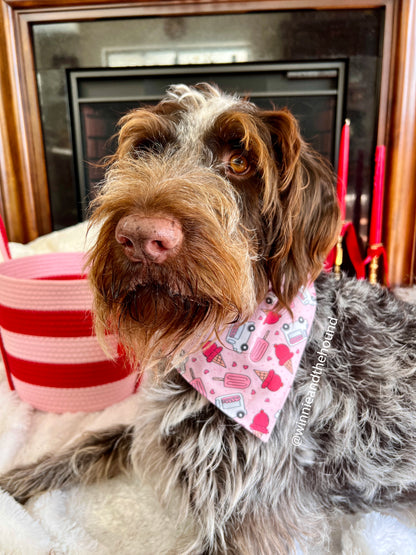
x=207, y=203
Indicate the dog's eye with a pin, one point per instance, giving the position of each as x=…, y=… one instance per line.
x=238, y=164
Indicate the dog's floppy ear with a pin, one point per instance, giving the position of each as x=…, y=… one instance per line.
x=306, y=213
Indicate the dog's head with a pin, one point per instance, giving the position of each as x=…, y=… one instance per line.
x=207, y=200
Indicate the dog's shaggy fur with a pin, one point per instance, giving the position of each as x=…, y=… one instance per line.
x=249, y=203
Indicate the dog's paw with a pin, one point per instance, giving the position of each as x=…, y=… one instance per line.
x=22, y=483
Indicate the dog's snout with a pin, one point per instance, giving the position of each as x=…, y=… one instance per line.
x=153, y=238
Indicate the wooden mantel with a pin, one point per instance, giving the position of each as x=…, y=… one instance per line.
x=24, y=199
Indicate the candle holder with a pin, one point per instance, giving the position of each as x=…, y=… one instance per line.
x=339, y=255
x=374, y=252
x=353, y=249
x=372, y=277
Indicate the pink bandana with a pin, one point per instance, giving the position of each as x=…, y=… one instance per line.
x=248, y=373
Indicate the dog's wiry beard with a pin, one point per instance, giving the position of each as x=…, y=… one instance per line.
x=155, y=318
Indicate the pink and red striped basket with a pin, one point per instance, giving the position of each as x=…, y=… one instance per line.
x=52, y=357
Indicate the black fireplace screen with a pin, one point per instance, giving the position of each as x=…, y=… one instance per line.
x=313, y=91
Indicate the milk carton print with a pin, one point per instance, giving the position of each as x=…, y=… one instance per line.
x=306, y=297
x=239, y=336
x=296, y=332
x=232, y=405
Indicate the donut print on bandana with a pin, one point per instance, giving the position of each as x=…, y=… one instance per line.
x=248, y=371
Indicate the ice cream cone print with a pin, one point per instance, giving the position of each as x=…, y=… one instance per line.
x=261, y=374
x=272, y=317
x=257, y=434
x=219, y=360
x=289, y=366
x=213, y=353
x=273, y=381
x=284, y=355
x=269, y=379
x=260, y=422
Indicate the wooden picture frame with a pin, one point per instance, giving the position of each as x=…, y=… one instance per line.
x=24, y=199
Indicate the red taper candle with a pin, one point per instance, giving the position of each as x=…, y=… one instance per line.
x=377, y=204
x=343, y=160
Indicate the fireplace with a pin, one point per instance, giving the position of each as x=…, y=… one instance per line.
x=313, y=91
x=324, y=65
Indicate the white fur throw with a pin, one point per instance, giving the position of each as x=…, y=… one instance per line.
x=122, y=515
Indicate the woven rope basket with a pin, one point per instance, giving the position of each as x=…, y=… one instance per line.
x=52, y=357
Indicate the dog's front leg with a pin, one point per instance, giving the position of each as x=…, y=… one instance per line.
x=260, y=529
x=234, y=490
x=96, y=456
x=258, y=532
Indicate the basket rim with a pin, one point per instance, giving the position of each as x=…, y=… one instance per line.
x=76, y=263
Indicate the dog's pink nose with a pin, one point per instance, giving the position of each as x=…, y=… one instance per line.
x=152, y=238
